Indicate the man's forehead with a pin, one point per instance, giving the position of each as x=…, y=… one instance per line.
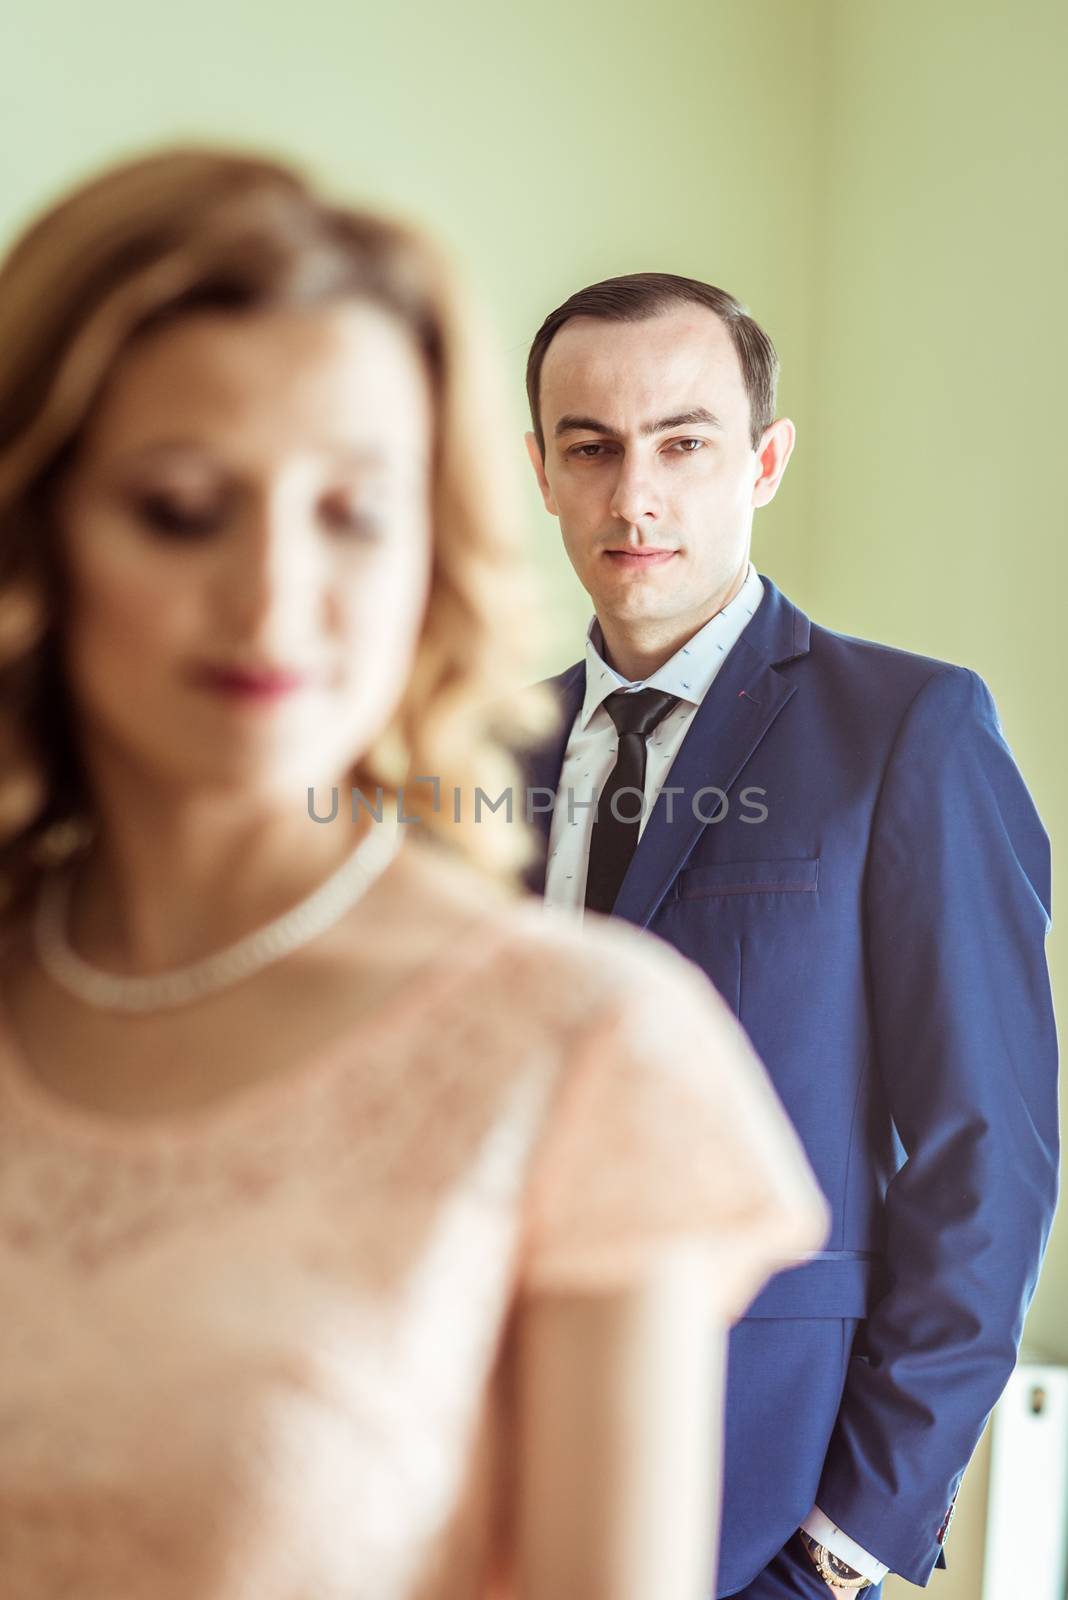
x=685, y=355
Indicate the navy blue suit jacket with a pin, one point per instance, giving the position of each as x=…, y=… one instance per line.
x=880, y=933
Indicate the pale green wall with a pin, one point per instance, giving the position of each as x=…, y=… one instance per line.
x=552, y=144
x=883, y=183
x=938, y=512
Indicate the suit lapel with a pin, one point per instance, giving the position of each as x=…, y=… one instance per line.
x=728, y=726
x=747, y=696
x=541, y=767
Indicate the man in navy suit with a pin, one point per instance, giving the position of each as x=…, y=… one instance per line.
x=837, y=834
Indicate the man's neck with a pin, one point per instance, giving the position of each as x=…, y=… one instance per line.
x=636, y=653
x=638, y=658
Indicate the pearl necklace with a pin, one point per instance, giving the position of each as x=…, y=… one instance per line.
x=320, y=910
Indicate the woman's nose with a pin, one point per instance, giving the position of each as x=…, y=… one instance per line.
x=272, y=575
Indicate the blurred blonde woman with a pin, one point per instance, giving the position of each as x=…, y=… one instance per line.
x=360, y=1235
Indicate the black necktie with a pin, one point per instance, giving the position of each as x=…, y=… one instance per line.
x=612, y=843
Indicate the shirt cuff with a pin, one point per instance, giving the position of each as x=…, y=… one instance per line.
x=828, y=1533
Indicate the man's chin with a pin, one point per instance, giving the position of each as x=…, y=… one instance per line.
x=637, y=609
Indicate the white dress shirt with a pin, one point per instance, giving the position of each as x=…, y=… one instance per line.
x=589, y=758
x=591, y=747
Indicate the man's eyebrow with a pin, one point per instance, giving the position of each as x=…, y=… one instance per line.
x=573, y=424
x=697, y=416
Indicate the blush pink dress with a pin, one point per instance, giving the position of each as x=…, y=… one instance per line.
x=258, y=1351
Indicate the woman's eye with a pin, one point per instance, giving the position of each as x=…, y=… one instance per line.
x=357, y=520
x=167, y=517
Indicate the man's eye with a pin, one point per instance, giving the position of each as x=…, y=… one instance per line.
x=588, y=452
x=682, y=446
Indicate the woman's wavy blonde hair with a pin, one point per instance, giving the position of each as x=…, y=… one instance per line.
x=194, y=228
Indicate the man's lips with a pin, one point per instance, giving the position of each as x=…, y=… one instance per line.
x=638, y=560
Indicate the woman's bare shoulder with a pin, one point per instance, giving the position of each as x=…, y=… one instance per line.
x=437, y=896
x=583, y=965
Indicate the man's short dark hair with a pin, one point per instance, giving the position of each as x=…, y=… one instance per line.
x=641, y=295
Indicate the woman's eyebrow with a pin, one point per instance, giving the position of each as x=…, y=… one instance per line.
x=348, y=451
x=155, y=447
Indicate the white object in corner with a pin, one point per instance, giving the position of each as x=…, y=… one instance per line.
x=1027, y=1513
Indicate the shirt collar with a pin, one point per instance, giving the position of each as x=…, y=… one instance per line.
x=689, y=673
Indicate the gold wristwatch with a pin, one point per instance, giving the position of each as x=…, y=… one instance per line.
x=831, y=1568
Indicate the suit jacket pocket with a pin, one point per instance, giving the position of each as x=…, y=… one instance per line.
x=799, y=876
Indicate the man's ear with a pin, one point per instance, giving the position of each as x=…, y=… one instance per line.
x=538, y=463
x=776, y=447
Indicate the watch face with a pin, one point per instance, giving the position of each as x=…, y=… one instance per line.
x=840, y=1569
x=831, y=1568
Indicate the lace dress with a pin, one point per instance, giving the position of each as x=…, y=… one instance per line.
x=253, y=1352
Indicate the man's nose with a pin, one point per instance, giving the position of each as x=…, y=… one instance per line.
x=634, y=499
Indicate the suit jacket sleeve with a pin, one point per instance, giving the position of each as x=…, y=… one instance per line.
x=957, y=908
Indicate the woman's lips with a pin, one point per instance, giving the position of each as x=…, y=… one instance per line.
x=639, y=560
x=269, y=684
